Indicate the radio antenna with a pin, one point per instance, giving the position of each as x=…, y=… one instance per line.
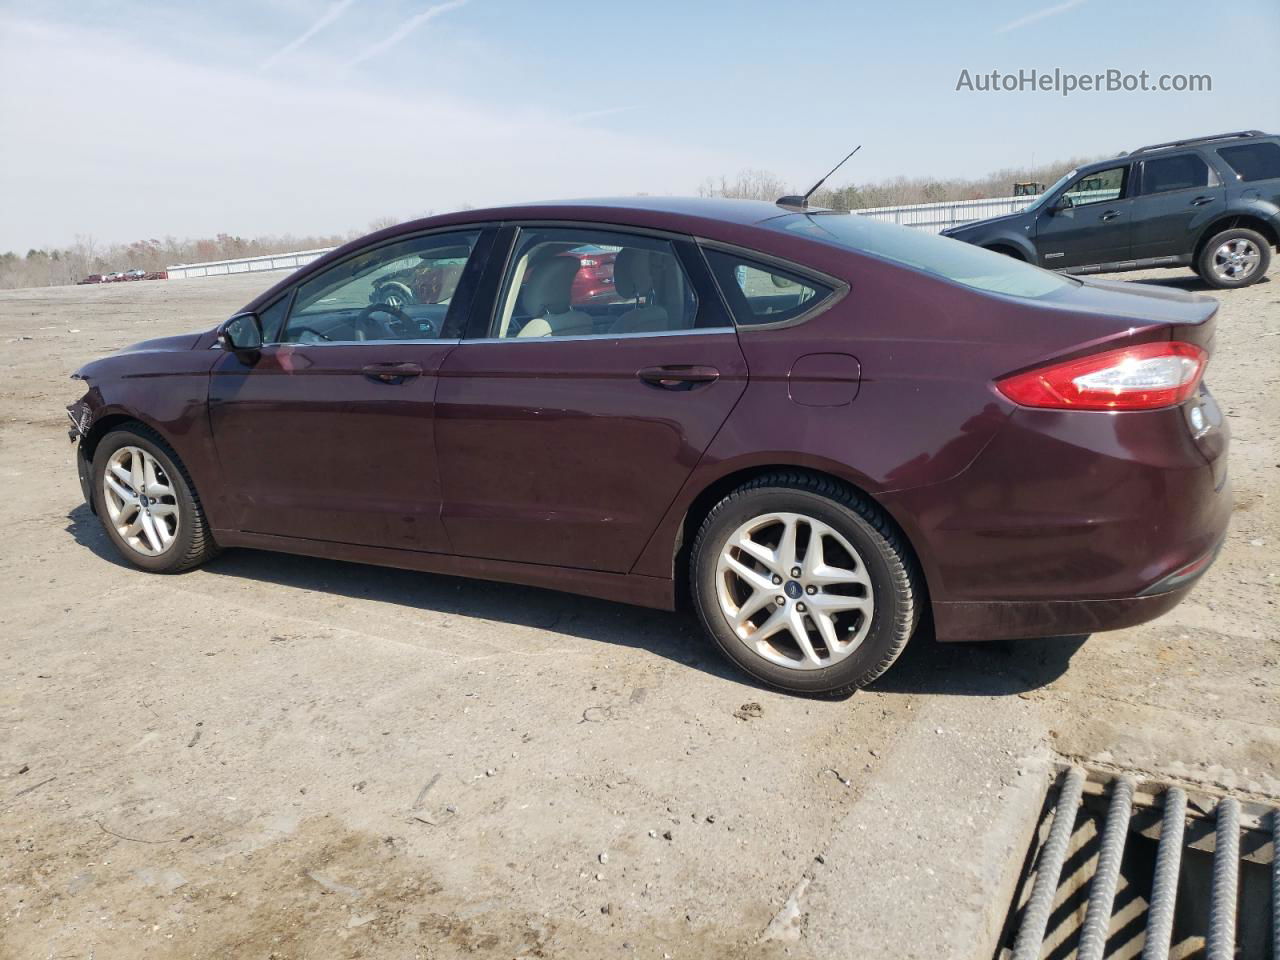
x=803, y=201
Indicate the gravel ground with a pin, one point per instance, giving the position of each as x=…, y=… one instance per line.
x=287, y=757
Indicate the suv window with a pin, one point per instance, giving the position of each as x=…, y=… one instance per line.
x=1184, y=171
x=1253, y=161
x=400, y=291
x=582, y=282
x=1101, y=186
x=763, y=294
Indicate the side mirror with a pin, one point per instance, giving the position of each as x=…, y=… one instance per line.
x=242, y=334
x=1064, y=202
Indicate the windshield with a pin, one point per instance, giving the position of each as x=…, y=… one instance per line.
x=953, y=260
x=1060, y=182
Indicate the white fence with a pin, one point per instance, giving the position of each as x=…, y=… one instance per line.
x=949, y=213
x=275, y=261
x=922, y=216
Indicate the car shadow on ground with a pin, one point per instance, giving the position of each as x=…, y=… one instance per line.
x=926, y=666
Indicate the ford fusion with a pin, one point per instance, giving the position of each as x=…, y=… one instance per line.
x=820, y=430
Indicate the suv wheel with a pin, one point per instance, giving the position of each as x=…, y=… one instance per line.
x=1234, y=258
x=804, y=585
x=147, y=504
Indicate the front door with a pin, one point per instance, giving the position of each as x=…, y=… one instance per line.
x=328, y=434
x=566, y=429
x=1095, y=225
x=1179, y=195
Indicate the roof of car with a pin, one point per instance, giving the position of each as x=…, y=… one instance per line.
x=744, y=212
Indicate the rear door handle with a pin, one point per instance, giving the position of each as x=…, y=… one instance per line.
x=1109, y=215
x=678, y=376
x=1201, y=201
x=391, y=373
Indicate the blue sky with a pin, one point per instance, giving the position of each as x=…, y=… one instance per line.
x=127, y=120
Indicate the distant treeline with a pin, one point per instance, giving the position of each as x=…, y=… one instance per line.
x=763, y=185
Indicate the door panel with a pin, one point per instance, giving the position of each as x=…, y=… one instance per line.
x=1179, y=195
x=1095, y=229
x=332, y=442
x=568, y=451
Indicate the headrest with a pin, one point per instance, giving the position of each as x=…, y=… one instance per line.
x=632, y=273
x=550, y=287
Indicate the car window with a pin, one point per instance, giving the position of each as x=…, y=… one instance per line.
x=927, y=252
x=272, y=319
x=576, y=282
x=759, y=294
x=398, y=291
x=1101, y=186
x=1182, y=172
x=1253, y=161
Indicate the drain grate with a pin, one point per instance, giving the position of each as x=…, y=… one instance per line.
x=1124, y=868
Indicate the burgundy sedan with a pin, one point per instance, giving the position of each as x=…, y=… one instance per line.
x=828, y=428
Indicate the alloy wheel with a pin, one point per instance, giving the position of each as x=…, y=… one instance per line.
x=794, y=590
x=141, y=501
x=1236, y=259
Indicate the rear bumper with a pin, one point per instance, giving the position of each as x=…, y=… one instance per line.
x=1011, y=619
x=1071, y=523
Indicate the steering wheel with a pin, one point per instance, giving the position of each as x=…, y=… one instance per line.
x=395, y=329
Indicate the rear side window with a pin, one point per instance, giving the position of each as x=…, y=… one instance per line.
x=1186, y=171
x=760, y=294
x=1253, y=161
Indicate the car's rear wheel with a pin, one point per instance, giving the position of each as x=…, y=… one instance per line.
x=1234, y=258
x=147, y=503
x=804, y=584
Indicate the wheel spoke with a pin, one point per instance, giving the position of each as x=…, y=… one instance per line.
x=827, y=627
x=777, y=620
x=121, y=474
x=126, y=496
x=796, y=623
x=164, y=509
x=836, y=603
x=756, y=581
x=759, y=551
x=786, y=551
x=138, y=477
x=750, y=607
x=149, y=532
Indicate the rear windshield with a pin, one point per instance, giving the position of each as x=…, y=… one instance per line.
x=950, y=259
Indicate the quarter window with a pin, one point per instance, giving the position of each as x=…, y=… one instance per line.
x=1185, y=171
x=760, y=294
x=1253, y=161
x=1103, y=186
x=570, y=282
x=400, y=291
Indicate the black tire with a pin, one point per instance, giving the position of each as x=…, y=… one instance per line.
x=886, y=558
x=193, y=543
x=1208, y=254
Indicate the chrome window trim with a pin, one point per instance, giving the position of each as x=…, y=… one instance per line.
x=717, y=331
x=358, y=343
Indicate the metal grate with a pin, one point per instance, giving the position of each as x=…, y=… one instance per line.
x=1124, y=868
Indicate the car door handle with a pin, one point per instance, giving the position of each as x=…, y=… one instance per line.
x=678, y=376
x=1201, y=201
x=1109, y=215
x=392, y=373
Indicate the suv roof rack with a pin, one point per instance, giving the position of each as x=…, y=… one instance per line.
x=1186, y=143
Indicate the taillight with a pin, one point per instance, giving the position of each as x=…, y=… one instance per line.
x=1143, y=377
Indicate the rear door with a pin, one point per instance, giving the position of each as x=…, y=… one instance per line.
x=1095, y=228
x=1177, y=196
x=328, y=433
x=566, y=425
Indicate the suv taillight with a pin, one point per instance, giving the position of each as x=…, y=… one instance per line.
x=1143, y=377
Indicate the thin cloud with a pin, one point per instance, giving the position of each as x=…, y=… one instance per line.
x=599, y=114
x=402, y=31
x=333, y=13
x=1040, y=15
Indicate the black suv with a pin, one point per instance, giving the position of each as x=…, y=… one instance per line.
x=1212, y=204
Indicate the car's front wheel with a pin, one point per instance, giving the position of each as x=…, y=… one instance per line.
x=804, y=584
x=147, y=503
x=1234, y=258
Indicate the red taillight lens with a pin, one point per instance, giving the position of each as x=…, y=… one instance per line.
x=1143, y=377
